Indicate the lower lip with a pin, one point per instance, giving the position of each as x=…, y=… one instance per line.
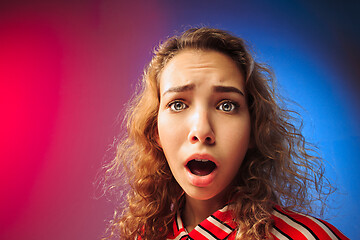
x=201, y=181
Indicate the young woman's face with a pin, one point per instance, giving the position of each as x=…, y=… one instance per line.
x=203, y=121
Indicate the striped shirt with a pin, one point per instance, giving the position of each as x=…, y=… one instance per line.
x=287, y=225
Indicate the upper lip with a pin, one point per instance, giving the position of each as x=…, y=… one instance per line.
x=201, y=156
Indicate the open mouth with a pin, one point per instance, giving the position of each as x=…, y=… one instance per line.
x=201, y=167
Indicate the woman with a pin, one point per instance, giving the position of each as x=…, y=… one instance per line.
x=210, y=152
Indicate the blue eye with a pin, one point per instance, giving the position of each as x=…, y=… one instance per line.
x=227, y=106
x=177, y=106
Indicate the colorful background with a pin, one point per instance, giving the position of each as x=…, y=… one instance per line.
x=68, y=67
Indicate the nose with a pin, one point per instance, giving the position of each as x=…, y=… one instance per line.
x=201, y=130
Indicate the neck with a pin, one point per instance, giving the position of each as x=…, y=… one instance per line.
x=196, y=211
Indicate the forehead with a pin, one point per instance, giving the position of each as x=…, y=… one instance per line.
x=201, y=66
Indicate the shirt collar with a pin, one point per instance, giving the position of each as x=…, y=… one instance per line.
x=218, y=225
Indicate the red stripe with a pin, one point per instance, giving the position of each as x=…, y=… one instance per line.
x=288, y=230
x=335, y=230
x=175, y=231
x=226, y=217
x=232, y=236
x=196, y=235
x=218, y=232
x=315, y=228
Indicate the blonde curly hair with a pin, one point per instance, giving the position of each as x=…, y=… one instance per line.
x=281, y=168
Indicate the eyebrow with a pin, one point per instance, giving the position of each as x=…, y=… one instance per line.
x=190, y=87
x=228, y=89
x=184, y=88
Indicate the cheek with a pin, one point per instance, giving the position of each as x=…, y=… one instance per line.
x=168, y=133
x=236, y=138
x=169, y=142
x=163, y=130
x=237, y=130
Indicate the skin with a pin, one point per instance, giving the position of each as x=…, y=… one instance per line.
x=203, y=111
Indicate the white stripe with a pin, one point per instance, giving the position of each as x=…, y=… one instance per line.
x=179, y=221
x=224, y=209
x=295, y=225
x=278, y=234
x=219, y=225
x=322, y=225
x=204, y=233
x=178, y=237
x=180, y=226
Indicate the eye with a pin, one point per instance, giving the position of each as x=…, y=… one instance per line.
x=177, y=106
x=227, y=106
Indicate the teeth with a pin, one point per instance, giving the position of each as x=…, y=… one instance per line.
x=201, y=160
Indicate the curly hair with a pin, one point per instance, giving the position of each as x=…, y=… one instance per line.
x=282, y=168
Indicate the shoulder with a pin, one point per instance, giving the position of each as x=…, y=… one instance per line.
x=292, y=225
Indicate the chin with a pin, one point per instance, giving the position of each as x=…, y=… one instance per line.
x=201, y=194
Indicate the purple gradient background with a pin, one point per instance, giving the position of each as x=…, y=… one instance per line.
x=67, y=69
